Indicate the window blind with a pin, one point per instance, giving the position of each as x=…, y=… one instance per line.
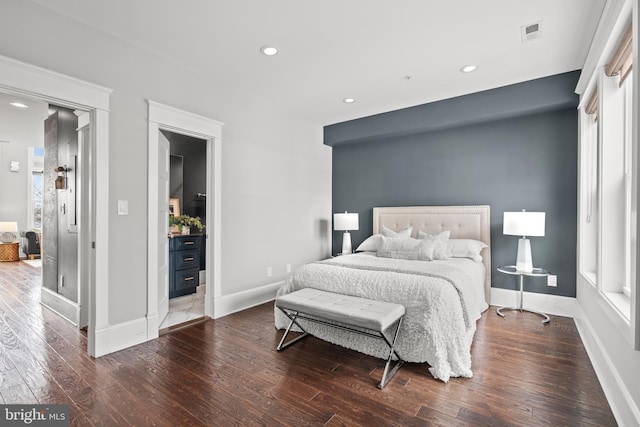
x=592, y=105
x=622, y=59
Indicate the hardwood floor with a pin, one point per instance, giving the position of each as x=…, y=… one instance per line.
x=227, y=372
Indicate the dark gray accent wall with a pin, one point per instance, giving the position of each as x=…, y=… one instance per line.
x=528, y=161
x=193, y=152
x=194, y=172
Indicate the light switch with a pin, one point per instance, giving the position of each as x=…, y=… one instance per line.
x=123, y=207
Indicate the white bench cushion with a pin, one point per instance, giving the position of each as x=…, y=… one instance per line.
x=350, y=310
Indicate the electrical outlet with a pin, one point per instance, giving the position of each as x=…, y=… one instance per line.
x=269, y=272
x=552, y=280
x=288, y=268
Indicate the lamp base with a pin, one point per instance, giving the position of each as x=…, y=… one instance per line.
x=524, y=262
x=346, y=243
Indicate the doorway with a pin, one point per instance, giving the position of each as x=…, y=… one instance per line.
x=187, y=248
x=43, y=197
x=165, y=118
x=22, y=79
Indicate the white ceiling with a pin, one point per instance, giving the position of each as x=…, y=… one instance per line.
x=22, y=126
x=333, y=49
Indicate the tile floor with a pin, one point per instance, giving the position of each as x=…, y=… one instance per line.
x=184, y=309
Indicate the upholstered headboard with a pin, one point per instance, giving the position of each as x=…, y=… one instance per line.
x=464, y=222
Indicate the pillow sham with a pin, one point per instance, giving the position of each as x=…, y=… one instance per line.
x=466, y=248
x=441, y=242
x=371, y=244
x=409, y=248
x=387, y=232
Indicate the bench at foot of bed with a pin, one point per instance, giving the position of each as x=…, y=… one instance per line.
x=359, y=315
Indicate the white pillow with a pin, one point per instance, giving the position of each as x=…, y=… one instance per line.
x=387, y=232
x=408, y=248
x=441, y=242
x=371, y=244
x=466, y=248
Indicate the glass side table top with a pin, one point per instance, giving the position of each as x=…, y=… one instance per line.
x=511, y=269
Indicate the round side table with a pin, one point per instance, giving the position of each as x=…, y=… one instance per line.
x=537, y=272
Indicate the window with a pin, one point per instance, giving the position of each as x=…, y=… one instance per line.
x=617, y=203
x=36, y=167
x=628, y=184
x=588, y=221
x=607, y=182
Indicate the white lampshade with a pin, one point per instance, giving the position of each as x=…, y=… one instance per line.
x=523, y=223
x=345, y=221
x=8, y=226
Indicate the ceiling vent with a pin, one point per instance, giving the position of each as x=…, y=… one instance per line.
x=531, y=32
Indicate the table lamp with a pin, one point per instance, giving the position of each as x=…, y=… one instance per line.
x=8, y=231
x=524, y=224
x=345, y=222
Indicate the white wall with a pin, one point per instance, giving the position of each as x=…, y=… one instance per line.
x=604, y=332
x=276, y=173
x=22, y=128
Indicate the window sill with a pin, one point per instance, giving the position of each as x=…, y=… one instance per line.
x=620, y=302
x=591, y=277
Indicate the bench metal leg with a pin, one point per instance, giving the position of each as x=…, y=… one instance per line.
x=387, y=375
x=282, y=344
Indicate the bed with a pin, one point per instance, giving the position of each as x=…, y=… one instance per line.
x=443, y=297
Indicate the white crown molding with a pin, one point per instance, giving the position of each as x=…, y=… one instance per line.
x=174, y=118
x=25, y=79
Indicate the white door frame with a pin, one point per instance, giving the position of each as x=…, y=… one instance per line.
x=163, y=117
x=24, y=79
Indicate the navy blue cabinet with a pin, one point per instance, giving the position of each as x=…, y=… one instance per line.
x=184, y=264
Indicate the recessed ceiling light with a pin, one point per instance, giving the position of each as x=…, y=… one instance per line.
x=18, y=104
x=468, y=68
x=348, y=100
x=268, y=50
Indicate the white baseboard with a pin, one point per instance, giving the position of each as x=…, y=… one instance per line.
x=61, y=305
x=153, y=326
x=622, y=405
x=127, y=334
x=239, y=301
x=550, y=304
x=101, y=338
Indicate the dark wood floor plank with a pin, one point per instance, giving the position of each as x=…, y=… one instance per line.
x=227, y=372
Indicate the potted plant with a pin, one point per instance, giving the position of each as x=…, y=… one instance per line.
x=185, y=223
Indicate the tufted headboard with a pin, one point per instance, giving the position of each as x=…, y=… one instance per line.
x=464, y=222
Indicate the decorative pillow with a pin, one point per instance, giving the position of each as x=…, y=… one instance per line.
x=408, y=248
x=371, y=244
x=466, y=248
x=387, y=232
x=441, y=242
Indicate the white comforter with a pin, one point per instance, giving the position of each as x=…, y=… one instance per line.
x=443, y=300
